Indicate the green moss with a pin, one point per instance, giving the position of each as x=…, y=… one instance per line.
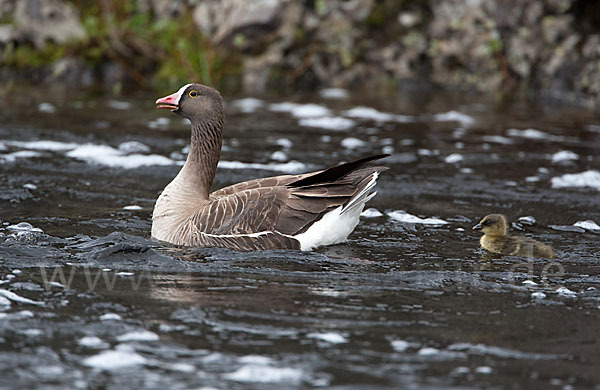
x=378, y=15
x=495, y=45
x=27, y=56
x=165, y=51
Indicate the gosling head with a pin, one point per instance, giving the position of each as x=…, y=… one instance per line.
x=492, y=225
x=195, y=102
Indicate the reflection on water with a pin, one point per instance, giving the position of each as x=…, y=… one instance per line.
x=87, y=300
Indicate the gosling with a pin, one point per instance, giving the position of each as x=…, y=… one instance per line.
x=496, y=240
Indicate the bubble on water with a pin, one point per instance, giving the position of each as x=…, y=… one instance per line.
x=333, y=93
x=141, y=335
x=538, y=295
x=248, y=105
x=47, y=108
x=329, y=337
x=371, y=213
x=110, y=317
x=133, y=147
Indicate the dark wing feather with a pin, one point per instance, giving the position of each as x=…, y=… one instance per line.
x=309, y=203
x=282, y=206
x=333, y=174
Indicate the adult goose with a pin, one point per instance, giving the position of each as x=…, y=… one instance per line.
x=495, y=239
x=283, y=212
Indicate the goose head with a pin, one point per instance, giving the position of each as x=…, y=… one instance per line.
x=195, y=102
x=492, y=225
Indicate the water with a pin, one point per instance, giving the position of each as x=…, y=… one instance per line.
x=87, y=300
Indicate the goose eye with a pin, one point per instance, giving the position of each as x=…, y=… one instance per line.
x=193, y=93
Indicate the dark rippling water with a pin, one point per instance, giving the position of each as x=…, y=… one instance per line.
x=87, y=300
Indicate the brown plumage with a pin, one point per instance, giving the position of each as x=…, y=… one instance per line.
x=283, y=212
x=496, y=240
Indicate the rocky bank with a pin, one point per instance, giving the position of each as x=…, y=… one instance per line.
x=547, y=47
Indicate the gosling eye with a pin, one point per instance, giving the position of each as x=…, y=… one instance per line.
x=486, y=223
x=193, y=93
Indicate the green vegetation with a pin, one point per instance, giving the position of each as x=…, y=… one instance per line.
x=153, y=52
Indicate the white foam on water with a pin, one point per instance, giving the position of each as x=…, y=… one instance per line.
x=460, y=371
x=328, y=122
x=564, y=155
x=248, y=105
x=533, y=134
x=353, y=143
x=326, y=292
x=565, y=292
x=140, y=335
x=127, y=156
x=49, y=145
x=309, y=110
x=24, y=227
x=333, y=93
x=369, y=113
x=258, y=373
x=589, y=178
x=527, y=220
x=12, y=157
x=17, y=298
x=255, y=359
x=403, y=216
x=92, y=342
x=483, y=370
x=161, y=123
x=428, y=351
x=497, y=139
x=119, y=105
x=330, y=337
x=538, y=295
x=109, y=156
x=454, y=158
x=505, y=353
x=288, y=167
x=49, y=371
x=187, y=368
x=278, y=155
x=47, y=108
x=455, y=116
x=115, y=360
x=400, y=345
x=529, y=283
x=427, y=152
x=587, y=225
x=284, y=143
x=371, y=213
x=133, y=207
x=133, y=147
x=33, y=332
x=30, y=186
x=5, y=303
x=110, y=316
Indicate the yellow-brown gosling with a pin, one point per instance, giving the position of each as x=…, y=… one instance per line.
x=496, y=240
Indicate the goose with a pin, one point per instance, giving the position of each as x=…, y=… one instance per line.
x=302, y=211
x=495, y=239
